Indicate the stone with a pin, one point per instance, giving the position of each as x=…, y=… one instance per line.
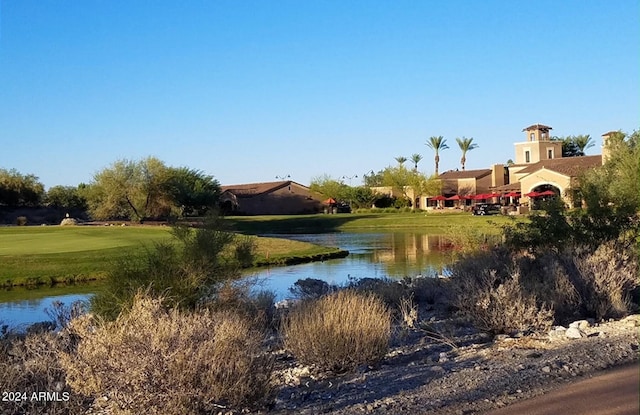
x=546, y=369
x=575, y=333
x=68, y=222
x=580, y=324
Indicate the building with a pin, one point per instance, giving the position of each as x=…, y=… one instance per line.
x=271, y=198
x=538, y=167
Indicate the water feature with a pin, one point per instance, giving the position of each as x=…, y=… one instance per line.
x=372, y=255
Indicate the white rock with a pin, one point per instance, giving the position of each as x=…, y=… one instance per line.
x=575, y=333
x=580, y=324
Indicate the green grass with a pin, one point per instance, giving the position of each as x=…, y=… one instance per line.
x=52, y=254
x=435, y=223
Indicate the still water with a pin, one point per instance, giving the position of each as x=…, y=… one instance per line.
x=371, y=255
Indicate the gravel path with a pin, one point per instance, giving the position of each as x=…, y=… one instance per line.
x=422, y=375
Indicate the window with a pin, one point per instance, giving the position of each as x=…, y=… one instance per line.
x=543, y=136
x=532, y=137
x=550, y=153
x=527, y=157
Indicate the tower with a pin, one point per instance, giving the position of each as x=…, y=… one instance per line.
x=537, y=146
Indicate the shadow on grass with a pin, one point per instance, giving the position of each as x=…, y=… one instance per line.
x=292, y=224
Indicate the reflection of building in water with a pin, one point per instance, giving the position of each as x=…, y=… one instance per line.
x=412, y=252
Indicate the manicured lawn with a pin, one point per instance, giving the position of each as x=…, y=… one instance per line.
x=436, y=223
x=49, y=254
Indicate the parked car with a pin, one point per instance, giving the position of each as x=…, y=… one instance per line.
x=485, y=209
x=343, y=207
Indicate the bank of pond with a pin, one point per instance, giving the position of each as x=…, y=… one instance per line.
x=371, y=255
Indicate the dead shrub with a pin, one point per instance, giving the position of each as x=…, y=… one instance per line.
x=154, y=360
x=340, y=331
x=499, y=304
x=608, y=277
x=29, y=364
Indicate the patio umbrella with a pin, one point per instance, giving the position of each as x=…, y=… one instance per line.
x=454, y=197
x=547, y=193
x=439, y=197
x=481, y=196
x=512, y=194
x=330, y=201
x=532, y=194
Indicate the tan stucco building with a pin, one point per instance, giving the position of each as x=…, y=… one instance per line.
x=539, y=166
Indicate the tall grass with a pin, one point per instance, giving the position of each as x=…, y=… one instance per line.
x=339, y=332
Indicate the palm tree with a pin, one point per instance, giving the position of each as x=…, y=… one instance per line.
x=415, y=158
x=436, y=144
x=583, y=142
x=465, y=144
x=401, y=160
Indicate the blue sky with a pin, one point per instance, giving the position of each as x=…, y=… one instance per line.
x=250, y=90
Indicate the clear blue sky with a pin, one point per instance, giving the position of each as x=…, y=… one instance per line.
x=250, y=90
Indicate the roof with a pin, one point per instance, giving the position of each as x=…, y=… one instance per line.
x=538, y=127
x=465, y=174
x=510, y=187
x=610, y=133
x=254, y=189
x=568, y=166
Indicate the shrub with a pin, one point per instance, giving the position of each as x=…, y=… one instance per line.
x=154, y=360
x=390, y=291
x=607, y=278
x=339, y=332
x=501, y=306
x=183, y=271
x=311, y=288
x=29, y=364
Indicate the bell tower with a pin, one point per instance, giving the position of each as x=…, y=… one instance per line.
x=537, y=145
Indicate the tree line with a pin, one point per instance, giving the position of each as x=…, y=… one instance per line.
x=127, y=189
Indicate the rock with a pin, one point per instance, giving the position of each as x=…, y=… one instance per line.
x=575, y=333
x=68, y=222
x=580, y=324
x=546, y=369
x=558, y=332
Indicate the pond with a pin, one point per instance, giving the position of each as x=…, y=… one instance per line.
x=371, y=255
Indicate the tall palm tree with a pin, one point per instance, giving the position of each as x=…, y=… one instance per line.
x=437, y=144
x=583, y=142
x=465, y=144
x=415, y=158
x=401, y=160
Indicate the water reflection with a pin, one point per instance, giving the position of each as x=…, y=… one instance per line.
x=372, y=255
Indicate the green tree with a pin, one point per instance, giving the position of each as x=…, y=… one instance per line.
x=65, y=197
x=415, y=159
x=401, y=160
x=131, y=189
x=372, y=179
x=192, y=191
x=18, y=189
x=437, y=144
x=404, y=181
x=583, y=142
x=330, y=187
x=465, y=145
